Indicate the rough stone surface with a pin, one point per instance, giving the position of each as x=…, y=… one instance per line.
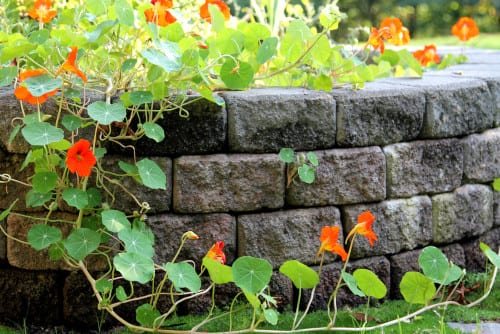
x=159, y=200
x=453, y=108
x=422, y=167
x=466, y=212
x=34, y=296
x=265, y=120
x=169, y=228
x=26, y=257
x=401, y=224
x=379, y=114
x=224, y=183
x=200, y=128
x=496, y=208
x=482, y=156
x=285, y=235
x=344, y=176
x=329, y=278
x=475, y=259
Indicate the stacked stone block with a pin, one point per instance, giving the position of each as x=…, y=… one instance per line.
x=420, y=154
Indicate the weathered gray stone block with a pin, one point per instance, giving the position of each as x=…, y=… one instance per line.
x=401, y=224
x=286, y=235
x=496, y=208
x=454, y=107
x=224, y=183
x=199, y=128
x=329, y=278
x=482, y=156
x=169, y=228
x=266, y=120
x=30, y=296
x=466, y=212
x=344, y=176
x=159, y=200
x=379, y=114
x=422, y=167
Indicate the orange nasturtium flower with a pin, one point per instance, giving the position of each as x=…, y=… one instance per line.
x=400, y=35
x=427, y=55
x=364, y=227
x=69, y=65
x=223, y=7
x=23, y=94
x=377, y=37
x=80, y=159
x=216, y=253
x=42, y=12
x=329, y=242
x=465, y=29
x=159, y=14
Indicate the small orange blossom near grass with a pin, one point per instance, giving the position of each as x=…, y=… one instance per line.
x=329, y=242
x=465, y=29
x=364, y=227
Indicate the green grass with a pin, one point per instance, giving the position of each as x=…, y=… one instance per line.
x=483, y=41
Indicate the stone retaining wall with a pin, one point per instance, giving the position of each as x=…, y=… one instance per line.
x=421, y=154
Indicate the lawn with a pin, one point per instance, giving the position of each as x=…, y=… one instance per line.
x=483, y=41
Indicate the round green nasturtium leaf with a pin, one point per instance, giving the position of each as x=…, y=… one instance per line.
x=351, y=284
x=251, y=274
x=146, y=316
x=75, y=197
x=219, y=273
x=286, y=154
x=34, y=198
x=236, y=76
x=7, y=75
x=41, y=133
x=436, y=266
x=124, y=12
x=71, y=122
x=82, y=242
x=42, y=84
x=301, y=275
x=137, y=242
x=154, y=131
x=94, y=197
x=267, y=50
x=141, y=97
x=306, y=174
x=190, y=57
x=271, y=316
x=56, y=250
x=115, y=220
x=253, y=299
x=183, y=275
x=44, y=182
x=169, y=60
x=369, y=283
x=104, y=285
x=416, y=288
x=121, y=295
x=323, y=82
x=151, y=174
x=61, y=145
x=313, y=158
x=41, y=236
x=134, y=267
x=128, y=64
x=105, y=113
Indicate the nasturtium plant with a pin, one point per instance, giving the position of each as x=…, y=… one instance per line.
x=81, y=242
x=436, y=266
x=369, y=283
x=251, y=274
x=301, y=275
x=417, y=288
x=134, y=267
x=183, y=275
x=115, y=220
x=41, y=236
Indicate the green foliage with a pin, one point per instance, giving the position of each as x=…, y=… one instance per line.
x=41, y=236
x=251, y=274
x=301, y=275
x=301, y=165
x=417, y=288
x=369, y=283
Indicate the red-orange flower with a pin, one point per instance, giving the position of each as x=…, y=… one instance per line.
x=399, y=35
x=364, y=227
x=160, y=14
x=465, y=28
x=377, y=37
x=70, y=65
x=23, y=94
x=80, y=159
x=216, y=253
x=42, y=12
x=205, y=14
x=427, y=55
x=329, y=242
